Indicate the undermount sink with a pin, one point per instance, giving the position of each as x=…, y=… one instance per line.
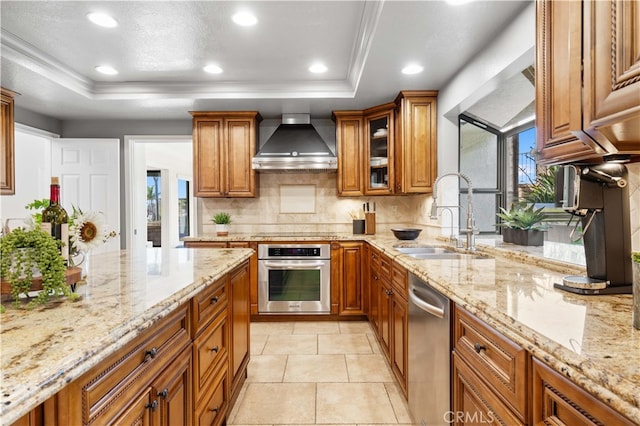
x=447, y=255
x=437, y=253
x=423, y=250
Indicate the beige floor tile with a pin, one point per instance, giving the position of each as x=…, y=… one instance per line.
x=277, y=403
x=262, y=328
x=373, y=341
x=354, y=403
x=400, y=406
x=354, y=327
x=317, y=327
x=266, y=368
x=316, y=368
x=285, y=344
x=368, y=368
x=344, y=344
x=257, y=343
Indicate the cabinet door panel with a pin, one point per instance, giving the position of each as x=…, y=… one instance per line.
x=559, y=83
x=173, y=391
x=612, y=74
x=207, y=151
x=400, y=323
x=351, y=294
x=240, y=147
x=349, y=134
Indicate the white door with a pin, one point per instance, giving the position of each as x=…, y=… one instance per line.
x=89, y=172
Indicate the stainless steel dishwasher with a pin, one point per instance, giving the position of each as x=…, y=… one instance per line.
x=429, y=354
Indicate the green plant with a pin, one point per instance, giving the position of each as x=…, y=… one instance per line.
x=221, y=218
x=543, y=189
x=23, y=250
x=522, y=217
x=635, y=256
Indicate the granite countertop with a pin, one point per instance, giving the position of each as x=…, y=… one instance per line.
x=588, y=339
x=44, y=349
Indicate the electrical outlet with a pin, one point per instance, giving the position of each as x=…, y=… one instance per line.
x=394, y=209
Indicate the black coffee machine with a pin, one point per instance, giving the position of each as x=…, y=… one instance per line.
x=599, y=197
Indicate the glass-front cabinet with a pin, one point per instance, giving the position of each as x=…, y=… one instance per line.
x=379, y=137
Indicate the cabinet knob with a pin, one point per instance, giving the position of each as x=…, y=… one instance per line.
x=215, y=349
x=215, y=409
x=214, y=299
x=478, y=347
x=151, y=353
x=152, y=405
x=163, y=393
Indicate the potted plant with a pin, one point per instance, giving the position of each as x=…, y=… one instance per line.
x=30, y=260
x=222, y=221
x=522, y=225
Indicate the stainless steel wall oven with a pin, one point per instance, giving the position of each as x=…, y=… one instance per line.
x=294, y=278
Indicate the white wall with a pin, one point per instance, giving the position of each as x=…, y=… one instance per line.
x=32, y=172
x=511, y=52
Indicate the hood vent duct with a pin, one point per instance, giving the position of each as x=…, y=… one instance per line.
x=295, y=146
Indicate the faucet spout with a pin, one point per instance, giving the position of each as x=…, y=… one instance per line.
x=470, y=231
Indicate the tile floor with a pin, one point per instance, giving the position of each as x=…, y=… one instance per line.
x=326, y=372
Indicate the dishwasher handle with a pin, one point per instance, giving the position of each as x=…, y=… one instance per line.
x=427, y=300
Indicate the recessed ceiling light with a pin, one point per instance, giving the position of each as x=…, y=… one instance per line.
x=244, y=19
x=102, y=19
x=412, y=69
x=213, y=69
x=106, y=69
x=318, y=68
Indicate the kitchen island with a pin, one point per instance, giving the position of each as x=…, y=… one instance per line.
x=587, y=339
x=45, y=349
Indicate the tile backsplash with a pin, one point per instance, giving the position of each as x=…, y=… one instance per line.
x=271, y=213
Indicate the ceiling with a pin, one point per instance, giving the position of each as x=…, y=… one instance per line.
x=50, y=50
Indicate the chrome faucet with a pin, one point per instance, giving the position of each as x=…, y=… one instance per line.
x=471, y=230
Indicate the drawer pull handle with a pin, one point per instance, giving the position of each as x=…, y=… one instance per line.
x=214, y=299
x=215, y=349
x=163, y=393
x=478, y=347
x=153, y=405
x=215, y=409
x=151, y=354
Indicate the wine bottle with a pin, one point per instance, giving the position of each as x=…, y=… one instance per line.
x=55, y=219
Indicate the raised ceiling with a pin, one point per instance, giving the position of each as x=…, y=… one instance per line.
x=50, y=50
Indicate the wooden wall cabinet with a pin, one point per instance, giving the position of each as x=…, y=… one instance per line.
x=223, y=145
x=347, y=264
x=350, y=149
x=390, y=148
x=416, y=161
x=587, y=80
x=7, y=136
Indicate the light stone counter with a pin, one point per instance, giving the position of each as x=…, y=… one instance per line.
x=588, y=339
x=44, y=349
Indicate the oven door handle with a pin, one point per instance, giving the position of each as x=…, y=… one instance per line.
x=284, y=265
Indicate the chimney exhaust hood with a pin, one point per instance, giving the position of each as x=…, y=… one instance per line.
x=295, y=146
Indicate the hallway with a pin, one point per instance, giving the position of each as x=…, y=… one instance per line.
x=317, y=373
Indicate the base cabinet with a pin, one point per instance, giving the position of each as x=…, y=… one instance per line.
x=558, y=401
x=347, y=264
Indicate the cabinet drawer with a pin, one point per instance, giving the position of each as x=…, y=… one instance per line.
x=208, y=303
x=210, y=349
x=385, y=267
x=118, y=380
x=498, y=361
x=212, y=410
x=400, y=280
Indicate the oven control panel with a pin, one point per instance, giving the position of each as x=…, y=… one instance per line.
x=294, y=251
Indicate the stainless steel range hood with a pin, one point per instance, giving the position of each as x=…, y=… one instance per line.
x=295, y=146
